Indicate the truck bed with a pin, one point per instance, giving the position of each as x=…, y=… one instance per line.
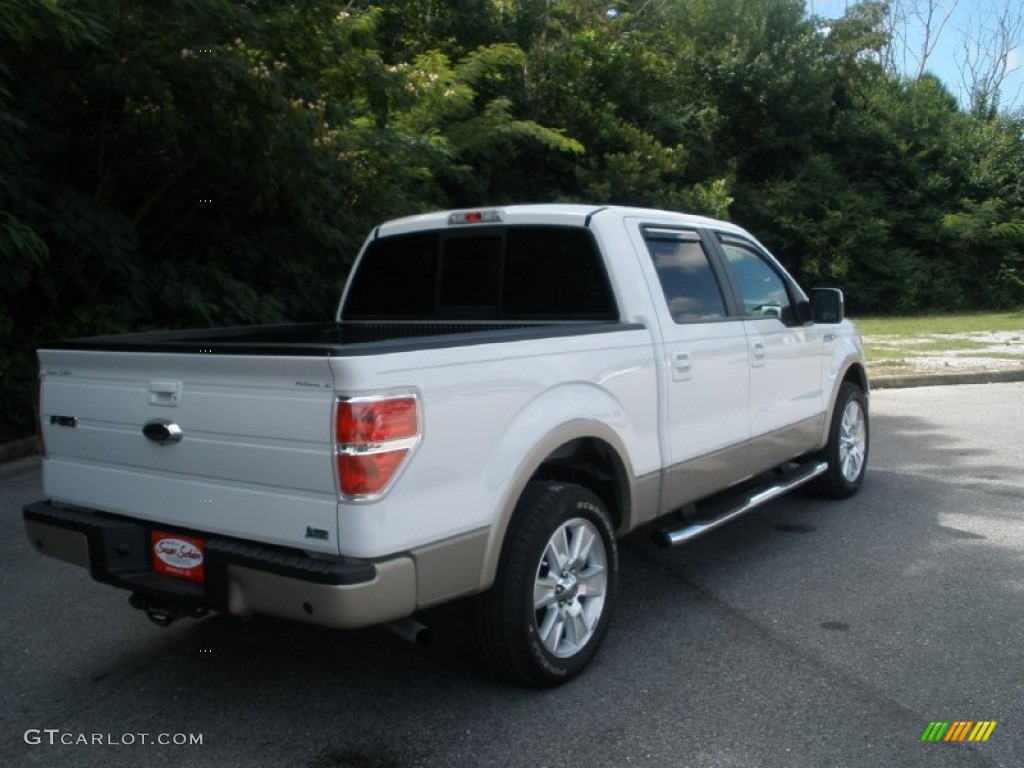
x=255, y=406
x=332, y=338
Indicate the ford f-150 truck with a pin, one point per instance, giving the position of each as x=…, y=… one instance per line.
x=502, y=395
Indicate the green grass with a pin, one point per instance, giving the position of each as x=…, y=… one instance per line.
x=895, y=342
x=941, y=324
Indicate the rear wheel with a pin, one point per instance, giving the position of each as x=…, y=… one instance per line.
x=551, y=603
x=847, y=449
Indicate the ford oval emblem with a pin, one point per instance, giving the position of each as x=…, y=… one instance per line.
x=178, y=554
x=163, y=432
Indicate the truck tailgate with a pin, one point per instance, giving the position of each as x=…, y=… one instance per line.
x=255, y=452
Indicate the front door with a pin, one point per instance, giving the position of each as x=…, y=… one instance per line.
x=787, y=402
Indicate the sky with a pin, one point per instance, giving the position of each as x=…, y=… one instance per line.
x=966, y=14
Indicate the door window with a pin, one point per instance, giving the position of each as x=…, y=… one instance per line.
x=687, y=280
x=762, y=289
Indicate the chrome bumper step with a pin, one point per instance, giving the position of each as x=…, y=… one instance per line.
x=720, y=513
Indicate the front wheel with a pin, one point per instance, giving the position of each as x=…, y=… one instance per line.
x=847, y=449
x=551, y=603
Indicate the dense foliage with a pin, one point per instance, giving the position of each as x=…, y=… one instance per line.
x=167, y=163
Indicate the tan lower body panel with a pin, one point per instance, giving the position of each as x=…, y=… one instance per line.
x=696, y=479
x=782, y=445
x=646, y=499
x=391, y=595
x=450, y=568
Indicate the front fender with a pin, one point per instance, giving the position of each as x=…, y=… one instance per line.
x=846, y=363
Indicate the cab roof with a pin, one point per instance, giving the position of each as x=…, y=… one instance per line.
x=540, y=214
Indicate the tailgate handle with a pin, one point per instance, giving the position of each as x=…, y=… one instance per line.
x=163, y=432
x=164, y=392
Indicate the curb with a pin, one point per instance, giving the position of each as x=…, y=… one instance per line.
x=945, y=379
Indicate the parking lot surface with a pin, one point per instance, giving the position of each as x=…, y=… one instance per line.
x=808, y=633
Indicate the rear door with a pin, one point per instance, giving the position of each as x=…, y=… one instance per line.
x=703, y=361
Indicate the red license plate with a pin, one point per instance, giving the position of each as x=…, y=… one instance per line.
x=176, y=554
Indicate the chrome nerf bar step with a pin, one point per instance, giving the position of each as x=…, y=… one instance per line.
x=717, y=516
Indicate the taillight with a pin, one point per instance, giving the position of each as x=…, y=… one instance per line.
x=476, y=217
x=376, y=421
x=373, y=437
x=39, y=416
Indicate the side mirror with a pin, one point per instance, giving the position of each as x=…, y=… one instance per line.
x=827, y=305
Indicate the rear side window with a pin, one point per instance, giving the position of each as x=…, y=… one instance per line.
x=691, y=289
x=524, y=273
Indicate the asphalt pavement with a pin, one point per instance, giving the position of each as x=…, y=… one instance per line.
x=808, y=633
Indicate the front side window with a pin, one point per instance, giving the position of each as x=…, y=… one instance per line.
x=762, y=289
x=687, y=280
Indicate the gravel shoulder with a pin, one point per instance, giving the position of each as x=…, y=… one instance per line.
x=934, y=359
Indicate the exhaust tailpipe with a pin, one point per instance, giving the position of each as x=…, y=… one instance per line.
x=410, y=630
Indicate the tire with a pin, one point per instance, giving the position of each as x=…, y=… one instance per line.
x=549, y=609
x=847, y=449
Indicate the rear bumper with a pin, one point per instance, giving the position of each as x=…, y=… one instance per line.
x=242, y=578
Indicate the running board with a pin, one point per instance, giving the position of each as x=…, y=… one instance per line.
x=762, y=495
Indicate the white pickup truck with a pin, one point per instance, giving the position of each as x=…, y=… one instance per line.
x=503, y=394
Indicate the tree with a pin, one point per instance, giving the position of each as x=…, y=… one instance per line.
x=172, y=164
x=914, y=29
x=989, y=53
x=167, y=163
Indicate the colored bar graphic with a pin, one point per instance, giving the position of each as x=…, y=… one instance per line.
x=959, y=730
x=935, y=730
x=982, y=730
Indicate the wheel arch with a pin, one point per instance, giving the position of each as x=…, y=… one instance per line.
x=856, y=374
x=582, y=451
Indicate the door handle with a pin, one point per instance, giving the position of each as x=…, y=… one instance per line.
x=829, y=337
x=682, y=366
x=757, y=353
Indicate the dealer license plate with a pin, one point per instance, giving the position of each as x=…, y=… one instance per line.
x=175, y=554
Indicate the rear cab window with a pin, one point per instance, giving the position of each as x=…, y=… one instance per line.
x=521, y=273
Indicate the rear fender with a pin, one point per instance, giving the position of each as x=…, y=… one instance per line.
x=579, y=411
